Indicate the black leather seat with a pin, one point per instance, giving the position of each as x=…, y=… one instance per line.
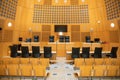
x=51, y=38
x=25, y=51
x=85, y=52
x=47, y=52
x=97, y=52
x=75, y=52
x=113, y=52
x=13, y=51
x=36, y=51
x=61, y=38
x=67, y=39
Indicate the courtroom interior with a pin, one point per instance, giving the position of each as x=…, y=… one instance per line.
x=59, y=39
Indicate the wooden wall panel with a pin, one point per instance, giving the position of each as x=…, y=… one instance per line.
x=45, y=36
x=25, y=35
x=75, y=33
x=2, y=21
x=46, y=28
x=16, y=37
x=8, y=36
x=47, y=2
x=75, y=36
x=1, y=35
x=74, y=2
x=119, y=24
x=114, y=37
x=75, y=28
x=83, y=35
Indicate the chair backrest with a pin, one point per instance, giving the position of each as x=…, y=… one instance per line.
x=25, y=51
x=99, y=61
x=99, y=70
x=15, y=60
x=25, y=70
x=45, y=61
x=86, y=70
x=47, y=52
x=39, y=70
x=112, y=70
x=89, y=61
x=98, y=52
x=12, y=69
x=79, y=61
x=47, y=49
x=75, y=52
x=85, y=52
x=6, y=60
x=25, y=60
x=3, y=70
x=35, y=49
x=113, y=52
x=13, y=51
x=34, y=61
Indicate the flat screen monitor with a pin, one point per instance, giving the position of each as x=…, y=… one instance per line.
x=28, y=40
x=87, y=38
x=36, y=38
x=20, y=38
x=60, y=28
x=97, y=40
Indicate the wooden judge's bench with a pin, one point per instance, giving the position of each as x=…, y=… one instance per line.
x=62, y=48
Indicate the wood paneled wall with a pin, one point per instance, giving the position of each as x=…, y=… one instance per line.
x=98, y=26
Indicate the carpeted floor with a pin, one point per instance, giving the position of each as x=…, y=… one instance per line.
x=61, y=70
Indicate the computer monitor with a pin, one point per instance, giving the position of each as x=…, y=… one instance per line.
x=36, y=38
x=96, y=39
x=87, y=38
x=20, y=39
x=28, y=40
x=60, y=28
x=51, y=38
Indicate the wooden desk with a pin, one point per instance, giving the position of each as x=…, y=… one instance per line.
x=61, y=49
x=68, y=54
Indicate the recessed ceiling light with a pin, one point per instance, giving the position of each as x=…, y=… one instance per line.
x=65, y=1
x=83, y=0
x=60, y=33
x=98, y=21
x=9, y=24
x=39, y=0
x=56, y=1
x=112, y=25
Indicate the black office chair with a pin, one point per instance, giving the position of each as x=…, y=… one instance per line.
x=75, y=52
x=25, y=51
x=51, y=38
x=47, y=52
x=67, y=39
x=97, y=52
x=85, y=52
x=61, y=38
x=18, y=48
x=36, y=51
x=113, y=52
x=13, y=51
